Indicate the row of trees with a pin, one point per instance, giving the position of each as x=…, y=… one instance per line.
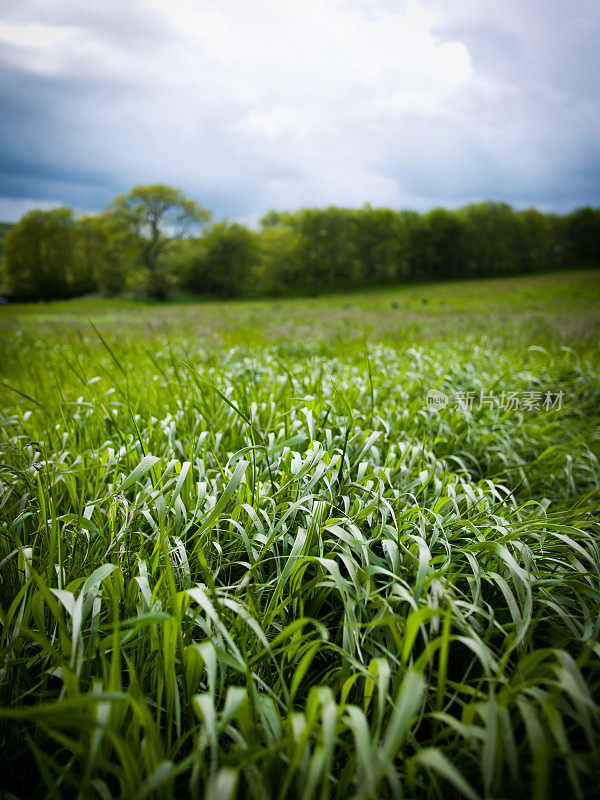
x=156, y=239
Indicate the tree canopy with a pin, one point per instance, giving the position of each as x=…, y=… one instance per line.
x=156, y=240
x=156, y=215
x=38, y=256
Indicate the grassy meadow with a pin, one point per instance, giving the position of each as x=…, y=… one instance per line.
x=241, y=556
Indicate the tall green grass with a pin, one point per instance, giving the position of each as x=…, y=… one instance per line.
x=274, y=573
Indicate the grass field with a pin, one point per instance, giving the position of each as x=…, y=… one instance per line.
x=242, y=556
x=559, y=308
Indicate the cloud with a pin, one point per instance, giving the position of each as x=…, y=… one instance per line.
x=278, y=104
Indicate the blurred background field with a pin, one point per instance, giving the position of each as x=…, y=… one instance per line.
x=551, y=309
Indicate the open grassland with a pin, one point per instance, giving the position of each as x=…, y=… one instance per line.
x=240, y=557
x=558, y=308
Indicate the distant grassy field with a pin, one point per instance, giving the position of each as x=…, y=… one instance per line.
x=559, y=308
x=343, y=547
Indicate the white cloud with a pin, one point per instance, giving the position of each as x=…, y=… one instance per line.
x=41, y=37
x=281, y=120
x=38, y=48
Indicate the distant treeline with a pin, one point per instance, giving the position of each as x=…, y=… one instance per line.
x=157, y=241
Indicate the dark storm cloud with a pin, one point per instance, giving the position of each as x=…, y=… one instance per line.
x=43, y=153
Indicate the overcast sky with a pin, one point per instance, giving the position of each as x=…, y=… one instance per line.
x=286, y=103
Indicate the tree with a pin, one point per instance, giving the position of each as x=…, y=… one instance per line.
x=538, y=240
x=220, y=262
x=492, y=242
x=5, y=228
x=38, y=256
x=230, y=253
x=377, y=234
x=106, y=253
x=279, y=265
x=411, y=242
x=156, y=215
x=327, y=247
x=444, y=233
x=583, y=235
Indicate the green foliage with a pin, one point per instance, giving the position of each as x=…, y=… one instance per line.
x=327, y=246
x=583, y=234
x=443, y=240
x=279, y=266
x=381, y=243
x=107, y=252
x=149, y=239
x=538, y=239
x=155, y=215
x=5, y=228
x=491, y=242
x=38, y=256
x=221, y=261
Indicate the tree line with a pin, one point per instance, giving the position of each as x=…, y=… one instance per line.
x=157, y=241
